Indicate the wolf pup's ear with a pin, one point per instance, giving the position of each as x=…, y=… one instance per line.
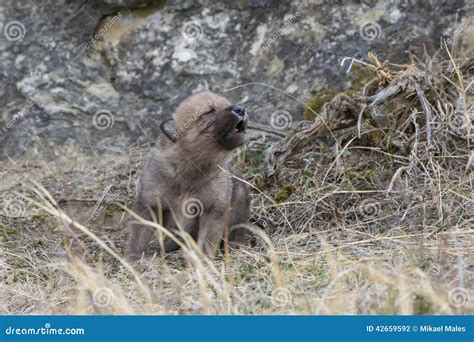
x=169, y=129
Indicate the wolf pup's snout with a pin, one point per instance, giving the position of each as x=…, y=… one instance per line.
x=238, y=110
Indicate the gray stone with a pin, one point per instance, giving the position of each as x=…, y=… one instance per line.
x=62, y=70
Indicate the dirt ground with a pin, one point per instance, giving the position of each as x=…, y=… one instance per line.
x=347, y=223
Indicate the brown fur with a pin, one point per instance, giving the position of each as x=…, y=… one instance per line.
x=184, y=169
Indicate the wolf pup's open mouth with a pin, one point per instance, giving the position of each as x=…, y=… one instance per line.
x=241, y=127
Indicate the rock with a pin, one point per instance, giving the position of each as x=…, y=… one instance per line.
x=64, y=63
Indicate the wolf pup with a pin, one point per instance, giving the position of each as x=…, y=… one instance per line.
x=182, y=178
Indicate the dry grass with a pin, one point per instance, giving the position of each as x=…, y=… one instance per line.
x=381, y=224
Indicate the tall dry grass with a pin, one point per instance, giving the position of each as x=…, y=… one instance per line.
x=355, y=225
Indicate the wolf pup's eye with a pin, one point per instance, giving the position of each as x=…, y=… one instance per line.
x=209, y=111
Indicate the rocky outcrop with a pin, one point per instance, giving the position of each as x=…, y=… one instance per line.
x=103, y=74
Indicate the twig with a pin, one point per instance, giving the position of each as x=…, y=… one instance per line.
x=426, y=108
